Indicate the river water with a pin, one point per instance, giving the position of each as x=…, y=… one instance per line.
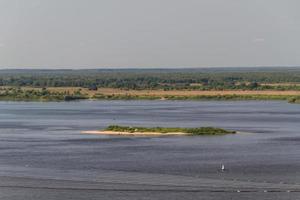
x=43, y=155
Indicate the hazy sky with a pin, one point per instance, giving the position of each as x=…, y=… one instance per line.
x=149, y=33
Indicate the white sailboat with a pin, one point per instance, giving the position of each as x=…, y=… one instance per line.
x=223, y=167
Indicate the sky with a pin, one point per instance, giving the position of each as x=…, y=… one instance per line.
x=149, y=33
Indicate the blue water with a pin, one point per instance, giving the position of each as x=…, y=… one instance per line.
x=43, y=140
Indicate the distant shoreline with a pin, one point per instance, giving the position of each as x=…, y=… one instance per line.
x=77, y=93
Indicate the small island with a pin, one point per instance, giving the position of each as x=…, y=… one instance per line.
x=159, y=131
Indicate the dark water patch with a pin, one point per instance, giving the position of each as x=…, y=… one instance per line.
x=287, y=139
x=99, y=140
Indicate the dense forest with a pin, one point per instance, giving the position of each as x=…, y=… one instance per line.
x=166, y=79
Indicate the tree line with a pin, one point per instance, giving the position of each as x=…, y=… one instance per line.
x=161, y=79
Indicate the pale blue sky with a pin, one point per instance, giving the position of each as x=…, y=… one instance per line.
x=149, y=33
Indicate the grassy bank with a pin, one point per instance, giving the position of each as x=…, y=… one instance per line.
x=74, y=93
x=289, y=98
x=40, y=94
x=294, y=100
x=188, y=131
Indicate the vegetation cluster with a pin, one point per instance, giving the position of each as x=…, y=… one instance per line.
x=33, y=85
x=166, y=79
x=18, y=94
x=188, y=131
x=44, y=94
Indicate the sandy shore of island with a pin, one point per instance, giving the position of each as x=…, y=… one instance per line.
x=131, y=134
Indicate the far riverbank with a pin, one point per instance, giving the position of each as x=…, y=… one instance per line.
x=77, y=93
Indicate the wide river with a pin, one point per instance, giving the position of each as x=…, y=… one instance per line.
x=43, y=154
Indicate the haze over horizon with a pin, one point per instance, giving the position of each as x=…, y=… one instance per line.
x=143, y=33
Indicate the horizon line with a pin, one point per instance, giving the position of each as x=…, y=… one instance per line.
x=183, y=67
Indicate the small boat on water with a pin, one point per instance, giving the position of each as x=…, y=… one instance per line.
x=222, y=167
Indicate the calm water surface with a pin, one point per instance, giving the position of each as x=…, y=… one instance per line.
x=42, y=141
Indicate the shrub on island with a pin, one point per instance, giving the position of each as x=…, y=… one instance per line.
x=188, y=131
